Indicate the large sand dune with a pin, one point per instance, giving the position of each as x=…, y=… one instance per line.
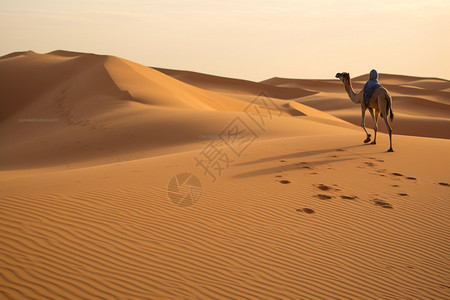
x=296, y=206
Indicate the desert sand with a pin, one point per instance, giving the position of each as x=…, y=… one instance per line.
x=278, y=197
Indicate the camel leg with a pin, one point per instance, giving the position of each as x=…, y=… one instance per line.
x=375, y=126
x=390, y=132
x=363, y=124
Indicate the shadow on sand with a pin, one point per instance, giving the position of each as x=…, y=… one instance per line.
x=296, y=165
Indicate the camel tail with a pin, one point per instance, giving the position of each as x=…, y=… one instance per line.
x=389, y=103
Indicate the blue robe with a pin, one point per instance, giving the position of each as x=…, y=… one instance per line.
x=371, y=85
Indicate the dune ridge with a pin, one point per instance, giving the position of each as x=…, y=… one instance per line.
x=237, y=86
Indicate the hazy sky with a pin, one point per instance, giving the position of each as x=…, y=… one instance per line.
x=247, y=39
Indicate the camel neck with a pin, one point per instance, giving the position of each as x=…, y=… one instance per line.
x=351, y=93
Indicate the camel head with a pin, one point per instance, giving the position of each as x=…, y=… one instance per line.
x=344, y=77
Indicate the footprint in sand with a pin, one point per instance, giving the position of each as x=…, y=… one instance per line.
x=401, y=175
x=323, y=197
x=284, y=181
x=444, y=184
x=323, y=187
x=327, y=188
x=304, y=165
x=381, y=172
x=382, y=203
x=306, y=210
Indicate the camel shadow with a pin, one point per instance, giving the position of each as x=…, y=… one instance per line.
x=296, y=165
x=299, y=154
x=289, y=167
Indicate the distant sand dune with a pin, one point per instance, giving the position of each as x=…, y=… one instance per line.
x=329, y=96
x=236, y=86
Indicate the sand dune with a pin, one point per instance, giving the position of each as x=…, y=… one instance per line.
x=421, y=104
x=236, y=86
x=294, y=207
x=317, y=85
x=76, y=105
x=92, y=101
x=94, y=73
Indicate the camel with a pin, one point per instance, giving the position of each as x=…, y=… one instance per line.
x=380, y=102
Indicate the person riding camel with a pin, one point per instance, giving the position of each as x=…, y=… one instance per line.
x=371, y=85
